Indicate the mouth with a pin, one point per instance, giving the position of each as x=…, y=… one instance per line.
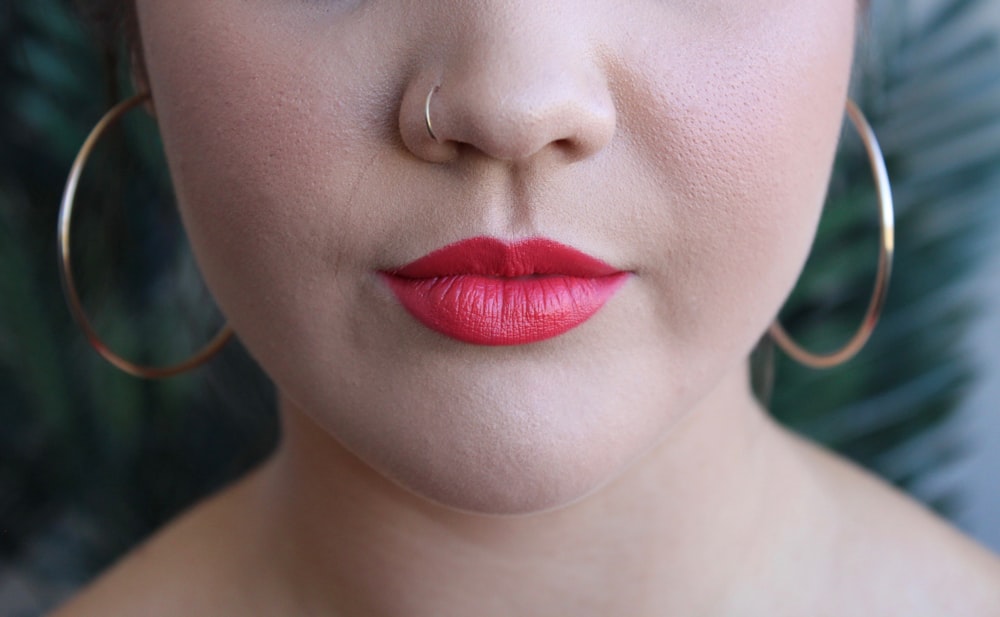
x=486, y=292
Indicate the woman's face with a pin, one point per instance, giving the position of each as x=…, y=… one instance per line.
x=686, y=144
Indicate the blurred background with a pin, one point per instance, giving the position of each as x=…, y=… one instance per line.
x=92, y=460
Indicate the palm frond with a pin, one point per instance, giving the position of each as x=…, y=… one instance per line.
x=929, y=82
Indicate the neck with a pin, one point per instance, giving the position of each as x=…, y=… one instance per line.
x=687, y=520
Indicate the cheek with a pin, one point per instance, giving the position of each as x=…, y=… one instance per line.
x=280, y=159
x=266, y=144
x=740, y=137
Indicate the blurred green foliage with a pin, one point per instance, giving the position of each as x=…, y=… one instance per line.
x=92, y=460
x=928, y=78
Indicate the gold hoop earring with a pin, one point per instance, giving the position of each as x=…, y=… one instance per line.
x=427, y=112
x=886, y=249
x=66, y=270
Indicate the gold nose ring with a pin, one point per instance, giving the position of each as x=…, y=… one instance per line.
x=427, y=112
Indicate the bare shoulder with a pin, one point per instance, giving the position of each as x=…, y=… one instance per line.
x=894, y=554
x=182, y=570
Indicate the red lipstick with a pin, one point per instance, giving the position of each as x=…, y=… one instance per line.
x=486, y=292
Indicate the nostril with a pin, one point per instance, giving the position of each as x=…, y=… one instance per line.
x=424, y=123
x=510, y=115
x=572, y=149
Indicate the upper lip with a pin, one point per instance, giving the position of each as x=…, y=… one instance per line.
x=494, y=258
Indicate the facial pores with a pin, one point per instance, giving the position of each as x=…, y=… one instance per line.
x=281, y=123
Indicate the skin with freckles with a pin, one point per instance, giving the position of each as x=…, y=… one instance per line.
x=619, y=468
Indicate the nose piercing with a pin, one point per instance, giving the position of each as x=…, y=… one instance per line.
x=427, y=113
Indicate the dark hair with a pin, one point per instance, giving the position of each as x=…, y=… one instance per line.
x=113, y=20
x=116, y=29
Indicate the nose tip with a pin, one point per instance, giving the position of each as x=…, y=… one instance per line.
x=511, y=115
x=517, y=125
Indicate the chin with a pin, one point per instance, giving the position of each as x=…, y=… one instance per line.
x=504, y=486
x=499, y=455
x=499, y=431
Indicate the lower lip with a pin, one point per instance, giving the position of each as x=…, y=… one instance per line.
x=486, y=310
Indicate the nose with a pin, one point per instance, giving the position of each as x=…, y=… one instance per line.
x=512, y=89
